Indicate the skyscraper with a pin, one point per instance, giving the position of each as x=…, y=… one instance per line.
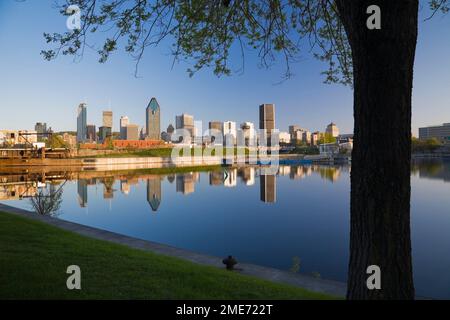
x=108, y=119
x=229, y=131
x=104, y=132
x=153, y=120
x=91, y=133
x=267, y=122
x=267, y=117
x=82, y=123
x=124, y=121
x=132, y=132
x=186, y=122
x=40, y=129
x=248, y=130
x=332, y=130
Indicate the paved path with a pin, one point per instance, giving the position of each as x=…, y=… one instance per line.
x=334, y=288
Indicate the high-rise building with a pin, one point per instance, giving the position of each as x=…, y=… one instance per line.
x=267, y=122
x=40, y=127
x=229, y=130
x=124, y=121
x=132, y=132
x=216, y=125
x=248, y=130
x=104, y=132
x=154, y=193
x=153, y=120
x=306, y=137
x=441, y=133
x=186, y=122
x=332, y=130
x=82, y=123
x=284, y=137
x=108, y=119
x=91, y=133
x=293, y=129
x=267, y=117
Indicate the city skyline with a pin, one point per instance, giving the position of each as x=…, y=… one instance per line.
x=303, y=100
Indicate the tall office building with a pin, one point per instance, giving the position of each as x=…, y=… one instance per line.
x=267, y=121
x=91, y=133
x=441, y=133
x=216, y=125
x=229, y=130
x=186, y=122
x=82, y=123
x=293, y=129
x=332, y=130
x=216, y=132
x=153, y=115
x=124, y=121
x=132, y=132
x=108, y=119
x=154, y=193
x=104, y=132
x=248, y=130
x=41, y=129
x=267, y=117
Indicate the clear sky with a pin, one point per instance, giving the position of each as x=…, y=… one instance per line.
x=33, y=90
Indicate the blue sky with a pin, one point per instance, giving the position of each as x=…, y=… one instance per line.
x=33, y=90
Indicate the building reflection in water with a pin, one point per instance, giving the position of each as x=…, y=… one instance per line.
x=216, y=178
x=126, y=184
x=18, y=186
x=437, y=169
x=268, y=188
x=154, y=193
x=185, y=183
x=108, y=191
x=82, y=192
x=247, y=175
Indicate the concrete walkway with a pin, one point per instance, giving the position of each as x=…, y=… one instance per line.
x=304, y=281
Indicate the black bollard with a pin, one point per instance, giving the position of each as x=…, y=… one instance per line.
x=229, y=262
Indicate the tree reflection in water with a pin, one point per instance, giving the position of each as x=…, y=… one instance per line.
x=47, y=201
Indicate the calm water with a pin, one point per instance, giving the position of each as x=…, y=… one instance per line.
x=299, y=215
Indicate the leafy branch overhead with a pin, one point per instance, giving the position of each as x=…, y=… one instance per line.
x=203, y=32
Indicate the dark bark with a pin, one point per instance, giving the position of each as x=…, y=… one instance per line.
x=380, y=178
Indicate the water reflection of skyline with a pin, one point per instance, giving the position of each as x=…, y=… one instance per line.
x=16, y=187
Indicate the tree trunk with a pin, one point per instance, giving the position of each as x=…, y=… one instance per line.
x=380, y=178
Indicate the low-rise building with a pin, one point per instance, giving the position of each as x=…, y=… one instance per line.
x=442, y=133
x=284, y=137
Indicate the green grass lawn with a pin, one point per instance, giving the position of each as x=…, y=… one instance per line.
x=34, y=257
